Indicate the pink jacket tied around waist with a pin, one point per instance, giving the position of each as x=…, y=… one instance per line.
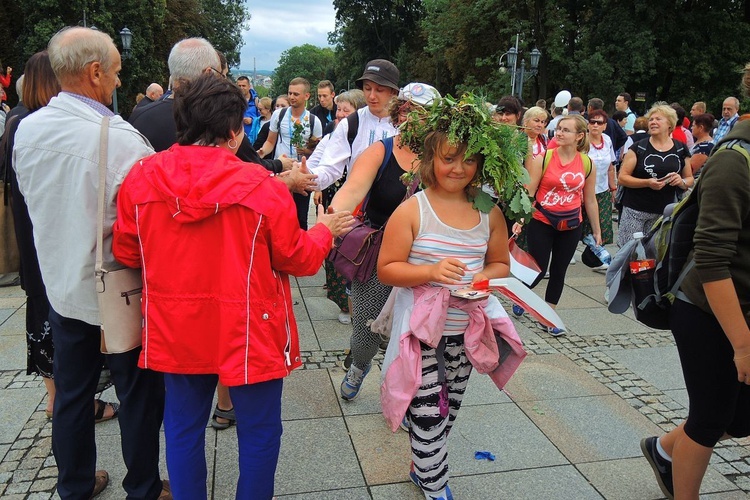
x=491, y=343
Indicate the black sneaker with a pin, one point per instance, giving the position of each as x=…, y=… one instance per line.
x=662, y=467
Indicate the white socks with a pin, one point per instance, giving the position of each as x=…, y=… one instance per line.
x=661, y=451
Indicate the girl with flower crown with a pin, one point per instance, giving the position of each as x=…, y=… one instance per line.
x=437, y=242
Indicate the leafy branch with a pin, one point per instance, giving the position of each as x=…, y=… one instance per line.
x=467, y=120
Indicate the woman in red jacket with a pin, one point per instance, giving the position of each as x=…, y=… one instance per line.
x=216, y=238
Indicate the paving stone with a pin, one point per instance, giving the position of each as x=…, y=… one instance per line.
x=17, y=488
x=481, y=390
x=47, y=472
x=506, y=432
x=545, y=482
x=40, y=487
x=610, y=430
x=383, y=455
x=342, y=494
x=660, y=366
x=552, y=376
x=332, y=335
x=307, y=339
x=309, y=394
x=300, y=472
x=44, y=485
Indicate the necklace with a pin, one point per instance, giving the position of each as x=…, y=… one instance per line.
x=600, y=146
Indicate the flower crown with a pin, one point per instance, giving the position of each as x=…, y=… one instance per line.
x=504, y=148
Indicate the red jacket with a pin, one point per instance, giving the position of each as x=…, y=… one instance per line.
x=215, y=238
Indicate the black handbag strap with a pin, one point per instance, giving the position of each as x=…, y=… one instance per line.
x=7, y=157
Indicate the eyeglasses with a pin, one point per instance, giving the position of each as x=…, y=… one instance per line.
x=559, y=130
x=596, y=122
x=217, y=72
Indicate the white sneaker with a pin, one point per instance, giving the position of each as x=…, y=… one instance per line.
x=601, y=269
x=345, y=318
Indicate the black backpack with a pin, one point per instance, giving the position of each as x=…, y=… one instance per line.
x=279, y=140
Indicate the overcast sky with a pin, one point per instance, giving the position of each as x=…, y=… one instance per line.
x=277, y=25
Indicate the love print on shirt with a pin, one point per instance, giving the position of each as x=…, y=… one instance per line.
x=654, y=164
x=571, y=183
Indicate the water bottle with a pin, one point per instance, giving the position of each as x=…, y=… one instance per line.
x=599, y=250
x=641, y=270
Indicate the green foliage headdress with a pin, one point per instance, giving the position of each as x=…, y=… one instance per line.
x=467, y=120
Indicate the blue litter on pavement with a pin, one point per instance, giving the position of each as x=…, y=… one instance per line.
x=484, y=455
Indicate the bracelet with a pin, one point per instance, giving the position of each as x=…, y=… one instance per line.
x=742, y=357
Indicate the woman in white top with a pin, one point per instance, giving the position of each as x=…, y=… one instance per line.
x=602, y=154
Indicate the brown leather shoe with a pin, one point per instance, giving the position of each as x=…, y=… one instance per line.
x=166, y=491
x=101, y=480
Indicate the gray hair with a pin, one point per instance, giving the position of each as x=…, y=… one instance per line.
x=73, y=48
x=355, y=97
x=19, y=86
x=189, y=58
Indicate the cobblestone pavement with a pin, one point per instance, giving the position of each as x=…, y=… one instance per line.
x=28, y=469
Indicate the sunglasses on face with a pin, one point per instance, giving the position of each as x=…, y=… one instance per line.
x=596, y=122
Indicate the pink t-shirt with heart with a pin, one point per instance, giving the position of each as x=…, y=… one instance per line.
x=561, y=187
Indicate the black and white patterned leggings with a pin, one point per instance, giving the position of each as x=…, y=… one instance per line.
x=368, y=300
x=429, y=430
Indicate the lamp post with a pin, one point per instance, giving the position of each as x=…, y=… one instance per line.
x=126, y=36
x=127, y=39
x=519, y=73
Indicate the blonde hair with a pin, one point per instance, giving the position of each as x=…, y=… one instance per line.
x=534, y=112
x=666, y=111
x=581, y=127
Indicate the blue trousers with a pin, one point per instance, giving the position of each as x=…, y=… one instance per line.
x=77, y=365
x=187, y=410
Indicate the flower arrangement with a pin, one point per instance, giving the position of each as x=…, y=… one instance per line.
x=504, y=148
x=298, y=131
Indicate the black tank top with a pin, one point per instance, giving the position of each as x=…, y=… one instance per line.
x=386, y=193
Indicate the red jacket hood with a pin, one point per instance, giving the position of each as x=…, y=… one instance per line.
x=197, y=182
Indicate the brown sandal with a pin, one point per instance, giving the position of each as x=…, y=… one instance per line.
x=101, y=406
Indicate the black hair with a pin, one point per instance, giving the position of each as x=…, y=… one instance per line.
x=207, y=110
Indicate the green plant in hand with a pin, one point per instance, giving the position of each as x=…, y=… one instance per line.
x=504, y=148
x=298, y=130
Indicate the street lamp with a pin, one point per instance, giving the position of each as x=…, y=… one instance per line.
x=126, y=36
x=127, y=39
x=519, y=74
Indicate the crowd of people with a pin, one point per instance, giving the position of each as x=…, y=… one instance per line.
x=209, y=161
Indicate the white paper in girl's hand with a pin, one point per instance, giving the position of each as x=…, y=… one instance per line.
x=526, y=298
x=522, y=264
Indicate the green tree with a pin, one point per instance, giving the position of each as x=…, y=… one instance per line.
x=306, y=61
x=375, y=29
x=156, y=26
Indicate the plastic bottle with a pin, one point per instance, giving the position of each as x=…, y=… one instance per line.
x=641, y=270
x=599, y=250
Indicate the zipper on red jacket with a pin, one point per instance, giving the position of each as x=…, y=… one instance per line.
x=144, y=290
x=288, y=346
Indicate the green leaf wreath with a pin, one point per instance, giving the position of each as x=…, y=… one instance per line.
x=467, y=120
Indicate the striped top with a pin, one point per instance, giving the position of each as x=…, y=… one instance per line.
x=436, y=241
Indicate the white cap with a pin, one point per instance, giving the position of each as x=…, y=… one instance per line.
x=419, y=93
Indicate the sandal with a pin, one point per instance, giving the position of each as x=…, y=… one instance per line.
x=225, y=414
x=101, y=406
